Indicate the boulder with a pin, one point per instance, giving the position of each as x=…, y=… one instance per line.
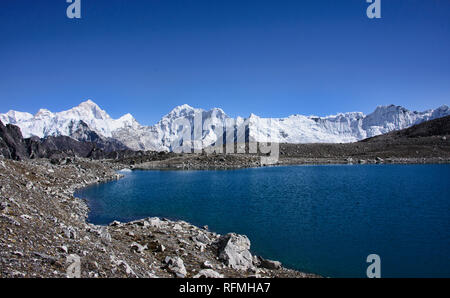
x=175, y=265
x=155, y=222
x=202, y=238
x=104, y=235
x=208, y=273
x=207, y=265
x=234, y=251
x=115, y=224
x=269, y=264
x=137, y=247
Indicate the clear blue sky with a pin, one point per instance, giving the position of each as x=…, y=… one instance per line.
x=272, y=58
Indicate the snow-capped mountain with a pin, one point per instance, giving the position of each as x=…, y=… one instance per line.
x=45, y=123
x=341, y=128
x=173, y=128
x=183, y=123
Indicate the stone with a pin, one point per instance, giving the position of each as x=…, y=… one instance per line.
x=207, y=265
x=26, y=216
x=202, y=238
x=175, y=265
x=115, y=223
x=70, y=233
x=269, y=264
x=256, y=261
x=18, y=253
x=155, y=222
x=234, y=251
x=105, y=235
x=3, y=205
x=137, y=247
x=121, y=263
x=160, y=248
x=208, y=273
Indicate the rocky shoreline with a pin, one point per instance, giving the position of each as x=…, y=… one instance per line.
x=238, y=161
x=44, y=230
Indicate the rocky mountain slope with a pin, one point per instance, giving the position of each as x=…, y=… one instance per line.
x=427, y=142
x=14, y=146
x=439, y=128
x=206, y=127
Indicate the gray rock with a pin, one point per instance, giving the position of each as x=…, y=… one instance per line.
x=105, y=235
x=29, y=185
x=155, y=222
x=46, y=258
x=26, y=216
x=202, y=238
x=234, y=251
x=208, y=273
x=269, y=264
x=175, y=265
x=157, y=246
x=3, y=205
x=70, y=233
x=160, y=248
x=256, y=261
x=115, y=223
x=18, y=253
x=137, y=247
x=207, y=265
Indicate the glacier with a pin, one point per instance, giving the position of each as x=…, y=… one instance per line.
x=184, y=121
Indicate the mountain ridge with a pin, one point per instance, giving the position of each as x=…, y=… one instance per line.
x=179, y=123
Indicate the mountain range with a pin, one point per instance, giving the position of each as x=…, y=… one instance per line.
x=88, y=122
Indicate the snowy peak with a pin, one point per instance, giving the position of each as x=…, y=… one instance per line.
x=442, y=111
x=127, y=118
x=13, y=117
x=88, y=120
x=43, y=113
x=89, y=109
x=45, y=123
x=181, y=111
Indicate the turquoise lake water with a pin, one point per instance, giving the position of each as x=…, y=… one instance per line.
x=319, y=219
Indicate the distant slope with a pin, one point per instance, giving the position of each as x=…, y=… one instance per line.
x=430, y=139
x=434, y=128
x=14, y=146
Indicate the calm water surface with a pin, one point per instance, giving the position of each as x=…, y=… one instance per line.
x=320, y=219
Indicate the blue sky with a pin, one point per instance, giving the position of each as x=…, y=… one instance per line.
x=271, y=58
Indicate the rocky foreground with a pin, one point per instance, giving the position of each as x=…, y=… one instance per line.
x=43, y=231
